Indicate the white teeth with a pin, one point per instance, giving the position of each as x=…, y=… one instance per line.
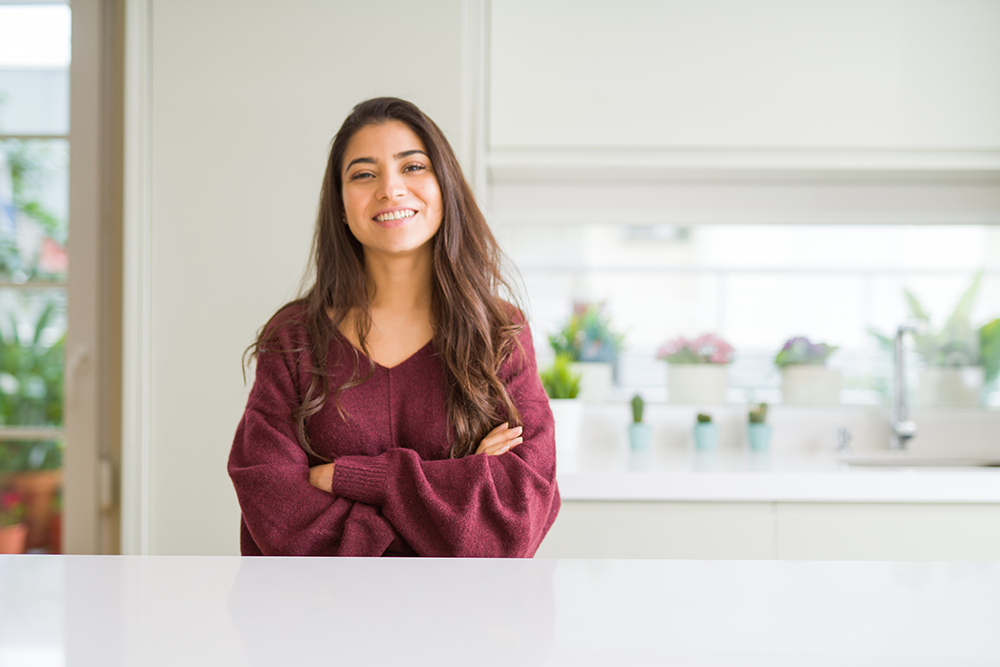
x=385, y=217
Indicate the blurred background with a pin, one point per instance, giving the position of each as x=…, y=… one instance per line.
x=759, y=172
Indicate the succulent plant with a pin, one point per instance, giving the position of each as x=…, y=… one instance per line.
x=637, y=406
x=703, y=418
x=758, y=415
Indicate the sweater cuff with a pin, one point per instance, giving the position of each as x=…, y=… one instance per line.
x=360, y=478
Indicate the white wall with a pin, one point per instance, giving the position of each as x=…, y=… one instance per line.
x=246, y=97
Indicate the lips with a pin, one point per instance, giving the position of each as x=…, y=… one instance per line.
x=389, y=216
x=394, y=218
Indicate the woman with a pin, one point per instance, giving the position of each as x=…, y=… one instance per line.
x=397, y=409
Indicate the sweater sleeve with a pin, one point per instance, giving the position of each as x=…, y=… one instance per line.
x=478, y=505
x=284, y=513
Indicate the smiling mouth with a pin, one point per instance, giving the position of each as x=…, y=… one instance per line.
x=395, y=215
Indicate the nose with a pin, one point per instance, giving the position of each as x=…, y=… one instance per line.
x=392, y=186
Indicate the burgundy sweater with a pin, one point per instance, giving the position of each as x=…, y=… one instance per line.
x=395, y=491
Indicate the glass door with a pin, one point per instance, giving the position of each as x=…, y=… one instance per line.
x=34, y=236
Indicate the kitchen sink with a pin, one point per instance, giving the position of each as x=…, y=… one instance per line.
x=909, y=460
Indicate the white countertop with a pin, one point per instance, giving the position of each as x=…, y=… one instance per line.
x=188, y=610
x=618, y=473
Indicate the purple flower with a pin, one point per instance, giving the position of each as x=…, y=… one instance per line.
x=800, y=350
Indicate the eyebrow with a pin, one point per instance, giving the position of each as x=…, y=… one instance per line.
x=397, y=156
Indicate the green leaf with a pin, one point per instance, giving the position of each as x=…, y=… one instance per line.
x=43, y=321
x=989, y=347
x=916, y=310
x=559, y=379
x=16, y=338
x=962, y=315
x=885, y=342
x=956, y=343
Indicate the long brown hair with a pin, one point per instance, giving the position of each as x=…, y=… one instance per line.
x=476, y=320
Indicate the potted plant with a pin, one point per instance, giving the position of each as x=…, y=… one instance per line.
x=697, y=369
x=706, y=433
x=36, y=474
x=639, y=434
x=805, y=378
x=31, y=394
x=31, y=372
x=592, y=347
x=562, y=384
x=953, y=372
x=13, y=531
x=758, y=431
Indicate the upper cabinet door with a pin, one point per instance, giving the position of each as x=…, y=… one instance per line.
x=763, y=76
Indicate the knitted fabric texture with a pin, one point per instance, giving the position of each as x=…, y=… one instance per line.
x=395, y=491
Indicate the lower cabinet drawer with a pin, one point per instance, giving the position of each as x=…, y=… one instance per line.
x=787, y=531
x=884, y=531
x=626, y=529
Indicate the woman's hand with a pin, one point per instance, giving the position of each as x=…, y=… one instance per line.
x=500, y=440
x=322, y=477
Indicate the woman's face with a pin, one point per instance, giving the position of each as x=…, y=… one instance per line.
x=392, y=200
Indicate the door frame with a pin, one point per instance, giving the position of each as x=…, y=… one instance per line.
x=93, y=338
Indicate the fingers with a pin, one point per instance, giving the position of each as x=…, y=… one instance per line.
x=493, y=438
x=499, y=429
x=500, y=440
x=502, y=447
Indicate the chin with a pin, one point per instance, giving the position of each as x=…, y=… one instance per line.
x=404, y=249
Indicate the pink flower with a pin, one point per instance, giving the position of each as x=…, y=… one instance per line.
x=53, y=258
x=10, y=499
x=673, y=347
x=705, y=349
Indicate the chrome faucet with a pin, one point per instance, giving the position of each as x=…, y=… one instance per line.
x=843, y=441
x=902, y=427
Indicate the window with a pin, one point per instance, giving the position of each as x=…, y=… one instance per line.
x=759, y=285
x=34, y=194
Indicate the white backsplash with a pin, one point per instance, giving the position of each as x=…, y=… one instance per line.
x=800, y=429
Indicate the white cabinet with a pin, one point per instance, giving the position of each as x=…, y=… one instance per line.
x=600, y=529
x=866, y=531
x=835, y=84
x=785, y=530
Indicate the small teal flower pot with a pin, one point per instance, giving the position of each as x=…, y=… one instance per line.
x=759, y=437
x=706, y=436
x=639, y=435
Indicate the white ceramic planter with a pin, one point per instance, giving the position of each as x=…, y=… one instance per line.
x=810, y=384
x=958, y=386
x=595, y=380
x=568, y=416
x=697, y=383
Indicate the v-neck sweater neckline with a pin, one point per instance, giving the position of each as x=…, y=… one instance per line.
x=356, y=349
